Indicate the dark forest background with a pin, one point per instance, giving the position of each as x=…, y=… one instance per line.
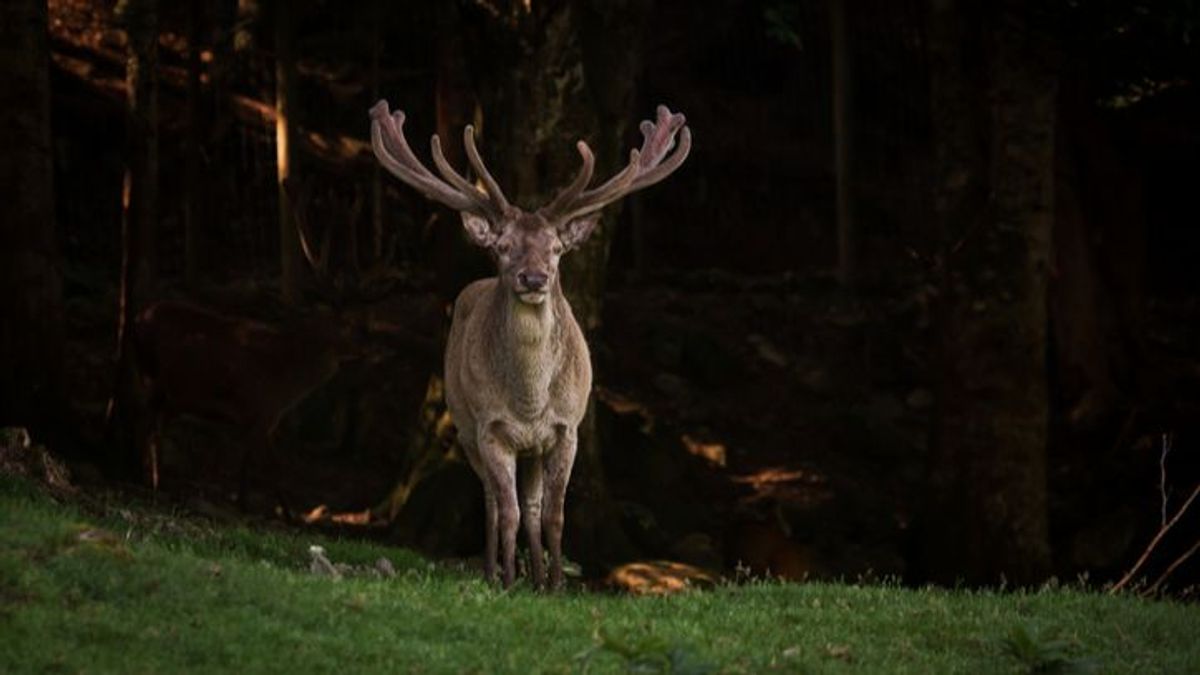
x=921, y=303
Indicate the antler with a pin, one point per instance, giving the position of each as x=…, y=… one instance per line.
x=646, y=167
x=456, y=192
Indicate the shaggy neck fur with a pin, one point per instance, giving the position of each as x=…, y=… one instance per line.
x=529, y=349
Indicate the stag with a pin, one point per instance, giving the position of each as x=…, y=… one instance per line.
x=518, y=371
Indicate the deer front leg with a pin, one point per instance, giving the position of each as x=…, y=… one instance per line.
x=558, y=463
x=531, y=516
x=489, y=509
x=500, y=466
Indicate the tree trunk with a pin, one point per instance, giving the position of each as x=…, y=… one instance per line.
x=31, y=332
x=140, y=212
x=139, y=221
x=455, y=262
x=377, y=216
x=290, y=260
x=192, y=189
x=220, y=188
x=986, y=518
x=843, y=146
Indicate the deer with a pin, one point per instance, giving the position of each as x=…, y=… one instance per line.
x=518, y=372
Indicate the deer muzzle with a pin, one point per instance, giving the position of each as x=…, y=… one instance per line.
x=532, y=287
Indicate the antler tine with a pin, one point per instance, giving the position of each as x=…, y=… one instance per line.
x=571, y=192
x=464, y=186
x=393, y=152
x=657, y=173
x=646, y=166
x=489, y=183
x=611, y=190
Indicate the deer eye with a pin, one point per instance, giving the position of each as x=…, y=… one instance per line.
x=503, y=248
x=556, y=249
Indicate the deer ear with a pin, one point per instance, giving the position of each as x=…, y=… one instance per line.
x=479, y=230
x=575, y=232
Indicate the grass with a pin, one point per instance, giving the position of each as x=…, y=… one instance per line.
x=134, y=590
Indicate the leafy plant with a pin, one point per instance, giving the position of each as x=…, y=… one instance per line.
x=783, y=23
x=648, y=654
x=1044, y=656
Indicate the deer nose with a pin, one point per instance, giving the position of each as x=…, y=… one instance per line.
x=534, y=281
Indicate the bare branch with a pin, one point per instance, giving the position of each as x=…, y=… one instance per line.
x=1171, y=568
x=1162, y=532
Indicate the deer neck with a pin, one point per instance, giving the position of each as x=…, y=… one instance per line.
x=529, y=336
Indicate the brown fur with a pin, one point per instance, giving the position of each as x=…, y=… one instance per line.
x=517, y=383
x=518, y=372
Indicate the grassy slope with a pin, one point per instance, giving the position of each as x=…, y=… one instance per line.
x=180, y=595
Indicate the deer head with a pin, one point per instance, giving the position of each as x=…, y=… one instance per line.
x=527, y=245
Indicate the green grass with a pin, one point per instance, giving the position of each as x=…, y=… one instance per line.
x=127, y=589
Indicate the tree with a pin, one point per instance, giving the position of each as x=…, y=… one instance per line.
x=31, y=336
x=139, y=218
x=843, y=146
x=139, y=18
x=291, y=264
x=191, y=181
x=986, y=517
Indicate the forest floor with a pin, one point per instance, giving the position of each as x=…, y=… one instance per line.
x=97, y=582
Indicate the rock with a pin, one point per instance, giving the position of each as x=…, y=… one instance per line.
x=320, y=564
x=20, y=456
x=385, y=568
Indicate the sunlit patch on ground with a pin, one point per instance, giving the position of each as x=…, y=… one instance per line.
x=659, y=577
x=322, y=514
x=715, y=453
x=796, y=486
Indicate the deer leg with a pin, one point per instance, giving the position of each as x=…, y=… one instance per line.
x=531, y=516
x=500, y=466
x=557, y=463
x=489, y=507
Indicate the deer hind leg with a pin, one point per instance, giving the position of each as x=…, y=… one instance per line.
x=499, y=463
x=557, y=463
x=489, y=507
x=531, y=516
